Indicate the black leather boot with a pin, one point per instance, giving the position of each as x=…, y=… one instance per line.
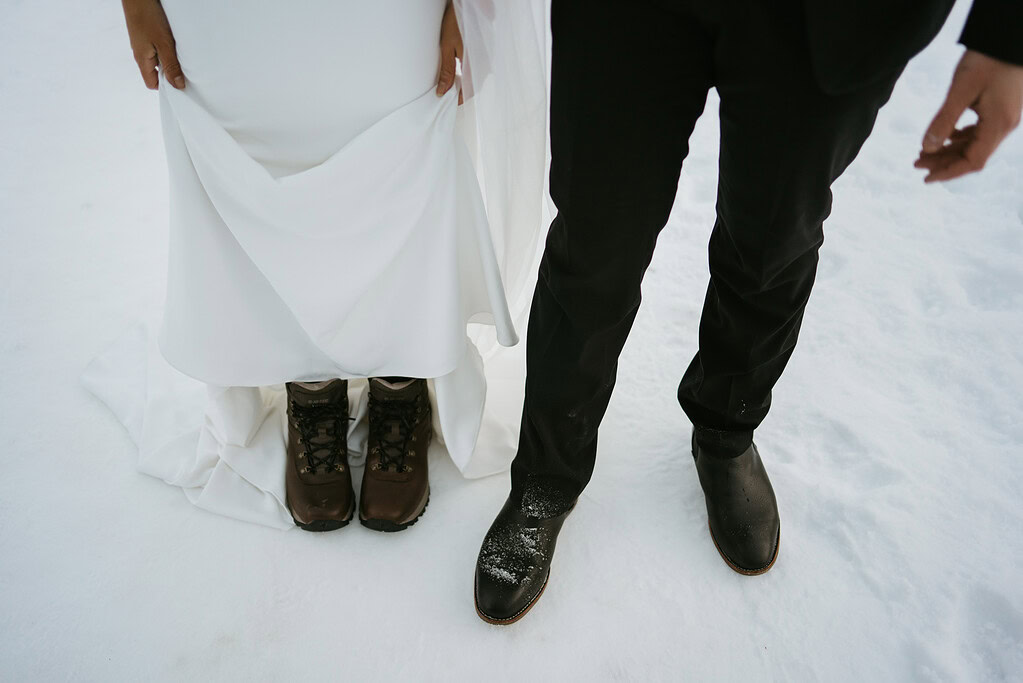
x=515, y=561
x=741, y=509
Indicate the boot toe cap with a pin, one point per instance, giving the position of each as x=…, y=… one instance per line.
x=332, y=500
x=500, y=598
x=308, y=511
x=388, y=505
x=748, y=549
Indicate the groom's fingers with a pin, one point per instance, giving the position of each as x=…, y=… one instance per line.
x=948, y=154
x=966, y=133
x=944, y=123
x=967, y=83
x=966, y=155
x=958, y=141
x=959, y=167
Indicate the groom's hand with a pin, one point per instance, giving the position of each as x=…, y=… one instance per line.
x=450, y=49
x=991, y=88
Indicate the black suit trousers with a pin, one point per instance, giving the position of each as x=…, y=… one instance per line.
x=629, y=80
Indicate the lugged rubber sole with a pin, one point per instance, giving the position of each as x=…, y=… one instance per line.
x=515, y=617
x=323, y=524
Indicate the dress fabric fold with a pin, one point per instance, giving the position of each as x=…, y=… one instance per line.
x=331, y=216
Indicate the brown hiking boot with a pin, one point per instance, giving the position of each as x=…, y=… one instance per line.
x=396, y=483
x=317, y=477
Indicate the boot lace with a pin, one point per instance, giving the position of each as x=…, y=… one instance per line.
x=323, y=433
x=391, y=444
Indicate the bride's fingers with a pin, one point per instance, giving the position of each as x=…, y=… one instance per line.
x=169, y=65
x=147, y=61
x=450, y=50
x=446, y=79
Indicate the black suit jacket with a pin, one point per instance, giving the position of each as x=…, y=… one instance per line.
x=857, y=42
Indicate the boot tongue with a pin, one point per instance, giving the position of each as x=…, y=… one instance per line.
x=405, y=390
x=329, y=392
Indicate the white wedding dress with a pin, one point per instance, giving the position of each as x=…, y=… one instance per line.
x=331, y=216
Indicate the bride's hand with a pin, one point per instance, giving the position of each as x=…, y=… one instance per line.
x=153, y=43
x=450, y=49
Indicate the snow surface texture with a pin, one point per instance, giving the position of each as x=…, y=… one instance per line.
x=893, y=445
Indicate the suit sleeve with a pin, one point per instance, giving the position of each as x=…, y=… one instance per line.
x=995, y=28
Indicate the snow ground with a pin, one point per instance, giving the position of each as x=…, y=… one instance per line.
x=894, y=443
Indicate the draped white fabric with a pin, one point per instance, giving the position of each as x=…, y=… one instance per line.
x=364, y=249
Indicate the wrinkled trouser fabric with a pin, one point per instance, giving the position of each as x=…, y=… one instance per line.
x=629, y=81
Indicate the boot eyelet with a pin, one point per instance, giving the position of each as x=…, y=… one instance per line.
x=408, y=468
